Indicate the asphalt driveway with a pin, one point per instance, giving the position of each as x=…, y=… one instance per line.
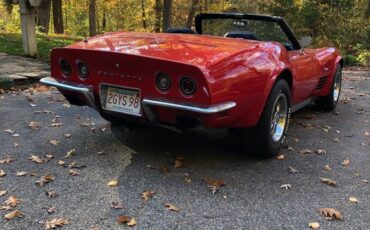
x=252, y=197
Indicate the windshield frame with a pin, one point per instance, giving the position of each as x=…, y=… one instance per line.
x=279, y=20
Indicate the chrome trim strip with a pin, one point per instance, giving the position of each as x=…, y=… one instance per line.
x=209, y=110
x=83, y=90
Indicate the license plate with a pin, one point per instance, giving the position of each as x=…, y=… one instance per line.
x=123, y=100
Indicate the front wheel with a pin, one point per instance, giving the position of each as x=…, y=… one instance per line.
x=329, y=102
x=267, y=138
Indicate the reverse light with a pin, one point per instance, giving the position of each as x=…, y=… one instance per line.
x=188, y=86
x=163, y=82
x=65, y=67
x=83, y=70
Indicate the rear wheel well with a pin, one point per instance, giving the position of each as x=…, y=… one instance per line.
x=287, y=76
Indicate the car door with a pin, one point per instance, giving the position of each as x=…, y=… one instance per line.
x=305, y=71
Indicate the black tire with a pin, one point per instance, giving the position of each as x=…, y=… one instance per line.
x=329, y=102
x=262, y=140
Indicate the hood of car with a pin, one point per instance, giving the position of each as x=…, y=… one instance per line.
x=199, y=50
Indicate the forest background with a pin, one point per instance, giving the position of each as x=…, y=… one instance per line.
x=341, y=23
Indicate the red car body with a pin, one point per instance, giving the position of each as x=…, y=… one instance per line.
x=233, y=77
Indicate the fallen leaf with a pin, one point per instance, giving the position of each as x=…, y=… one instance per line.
x=16, y=135
x=336, y=140
x=147, y=195
x=213, y=189
x=305, y=151
x=33, y=105
x=214, y=182
x=331, y=213
x=367, y=134
x=188, y=180
x=314, y=225
x=36, y=159
x=70, y=153
x=6, y=160
x=132, y=222
x=45, y=179
x=56, y=125
x=49, y=156
x=54, y=223
x=328, y=181
x=320, y=151
x=13, y=215
x=61, y=163
x=327, y=167
x=113, y=183
x=293, y=170
x=54, y=142
x=67, y=135
x=3, y=192
x=171, y=207
x=345, y=162
x=290, y=148
x=5, y=208
x=354, y=200
x=12, y=201
x=50, y=210
x=2, y=173
x=9, y=131
x=21, y=173
x=33, y=125
x=116, y=205
x=74, y=172
x=286, y=186
x=280, y=157
x=365, y=181
x=178, y=163
x=51, y=194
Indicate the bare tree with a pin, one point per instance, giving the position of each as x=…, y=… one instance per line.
x=92, y=17
x=167, y=13
x=43, y=16
x=58, y=17
x=191, y=14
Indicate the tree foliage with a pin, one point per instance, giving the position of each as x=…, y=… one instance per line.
x=341, y=23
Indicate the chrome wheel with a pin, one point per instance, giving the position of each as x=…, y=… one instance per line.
x=279, y=117
x=337, y=86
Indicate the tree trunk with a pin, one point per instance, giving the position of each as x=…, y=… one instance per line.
x=43, y=16
x=157, y=27
x=191, y=14
x=143, y=14
x=58, y=17
x=167, y=11
x=367, y=13
x=92, y=17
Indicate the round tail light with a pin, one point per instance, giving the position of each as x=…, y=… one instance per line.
x=83, y=70
x=163, y=82
x=65, y=67
x=188, y=86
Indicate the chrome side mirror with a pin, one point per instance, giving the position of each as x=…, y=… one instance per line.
x=305, y=41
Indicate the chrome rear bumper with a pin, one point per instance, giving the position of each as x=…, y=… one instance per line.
x=87, y=93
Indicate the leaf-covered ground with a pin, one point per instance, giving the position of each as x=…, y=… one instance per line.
x=61, y=167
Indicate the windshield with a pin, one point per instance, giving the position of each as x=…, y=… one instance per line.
x=247, y=29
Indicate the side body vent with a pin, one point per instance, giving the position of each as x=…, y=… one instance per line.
x=321, y=83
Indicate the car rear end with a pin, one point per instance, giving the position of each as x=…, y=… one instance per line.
x=125, y=87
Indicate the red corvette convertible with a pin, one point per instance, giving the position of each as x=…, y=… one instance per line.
x=237, y=71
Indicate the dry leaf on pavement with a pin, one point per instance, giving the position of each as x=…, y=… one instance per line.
x=147, y=195
x=9, y=131
x=54, y=223
x=116, y=205
x=74, y=172
x=293, y=170
x=286, y=186
x=171, y=207
x=328, y=181
x=2, y=193
x=345, y=162
x=178, y=163
x=12, y=201
x=314, y=225
x=132, y=222
x=354, y=200
x=70, y=153
x=13, y=215
x=5, y=208
x=113, y=183
x=51, y=194
x=45, y=179
x=36, y=159
x=33, y=125
x=22, y=173
x=305, y=151
x=6, y=160
x=126, y=220
x=327, y=167
x=2, y=173
x=331, y=213
x=320, y=151
x=214, y=182
x=54, y=142
x=61, y=163
x=280, y=157
x=67, y=135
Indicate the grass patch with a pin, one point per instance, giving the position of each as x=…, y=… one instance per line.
x=12, y=44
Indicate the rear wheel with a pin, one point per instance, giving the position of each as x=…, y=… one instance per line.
x=329, y=102
x=267, y=138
